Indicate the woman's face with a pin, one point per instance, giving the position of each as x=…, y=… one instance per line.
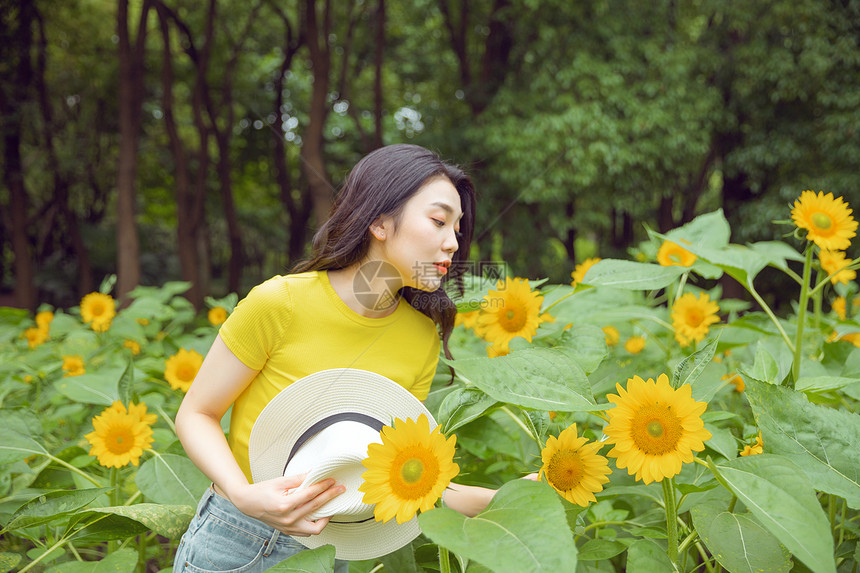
x=423, y=243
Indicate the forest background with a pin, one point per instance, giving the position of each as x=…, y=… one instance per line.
x=204, y=141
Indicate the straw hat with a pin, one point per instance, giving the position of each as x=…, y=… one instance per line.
x=322, y=425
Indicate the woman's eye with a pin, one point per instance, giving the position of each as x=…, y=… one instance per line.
x=439, y=223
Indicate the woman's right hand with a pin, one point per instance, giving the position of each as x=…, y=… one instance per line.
x=270, y=502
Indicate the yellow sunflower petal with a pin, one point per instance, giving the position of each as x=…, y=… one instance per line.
x=827, y=220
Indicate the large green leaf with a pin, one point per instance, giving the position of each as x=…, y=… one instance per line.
x=522, y=529
x=172, y=480
x=119, y=561
x=708, y=230
x=821, y=440
x=738, y=542
x=319, y=560
x=587, y=345
x=539, y=378
x=9, y=560
x=98, y=388
x=52, y=506
x=645, y=556
x=632, y=275
x=15, y=447
x=171, y=521
x=780, y=496
x=461, y=406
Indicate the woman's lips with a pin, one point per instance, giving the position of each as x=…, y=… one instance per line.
x=441, y=268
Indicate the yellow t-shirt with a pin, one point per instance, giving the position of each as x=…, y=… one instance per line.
x=291, y=326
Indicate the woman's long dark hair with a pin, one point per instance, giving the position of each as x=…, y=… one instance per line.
x=379, y=185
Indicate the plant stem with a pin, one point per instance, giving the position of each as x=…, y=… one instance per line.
x=69, y=466
x=801, y=314
x=671, y=520
x=444, y=560
x=681, y=285
x=749, y=286
x=816, y=301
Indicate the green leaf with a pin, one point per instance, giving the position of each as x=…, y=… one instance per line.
x=645, y=556
x=52, y=506
x=819, y=439
x=738, y=542
x=15, y=447
x=104, y=525
x=167, y=520
x=631, y=275
x=99, y=389
x=8, y=560
x=119, y=561
x=522, y=529
x=461, y=406
x=586, y=344
x=171, y=479
x=600, y=549
x=777, y=253
x=780, y=496
x=319, y=560
x=707, y=230
x=689, y=369
x=125, y=386
x=765, y=366
x=823, y=383
x=539, y=378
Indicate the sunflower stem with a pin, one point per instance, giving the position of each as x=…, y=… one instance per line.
x=114, y=501
x=444, y=560
x=817, y=301
x=681, y=284
x=801, y=314
x=751, y=289
x=671, y=520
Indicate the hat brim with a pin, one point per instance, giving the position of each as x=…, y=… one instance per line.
x=311, y=399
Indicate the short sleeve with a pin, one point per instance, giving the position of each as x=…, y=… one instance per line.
x=421, y=388
x=257, y=326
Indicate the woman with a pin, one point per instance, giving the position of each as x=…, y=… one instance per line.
x=369, y=298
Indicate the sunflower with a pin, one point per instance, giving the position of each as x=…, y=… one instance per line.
x=736, y=380
x=466, y=319
x=138, y=410
x=409, y=470
x=672, y=254
x=828, y=221
x=835, y=262
x=839, y=306
x=573, y=467
x=612, y=335
x=98, y=310
x=654, y=428
x=692, y=317
x=579, y=270
x=181, y=368
x=132, y=345
x=512, y=310
x=634, y=344
x=35, y=336
x=496, y=350
x=44, y=318
x=73, y=365
x=754, y=448
x=217, y=315
x=852, y=337
x=120, y=436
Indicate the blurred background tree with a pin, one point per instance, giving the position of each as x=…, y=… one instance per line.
x=171, y=139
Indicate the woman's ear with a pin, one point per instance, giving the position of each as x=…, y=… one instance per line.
x=377, y=229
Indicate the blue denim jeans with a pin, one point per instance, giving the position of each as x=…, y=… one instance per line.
x=222, y=539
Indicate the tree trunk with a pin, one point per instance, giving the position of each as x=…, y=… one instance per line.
x=188, y=209
x=15, y=50
x=131, y=85
x=665, y=219
x=313, y=160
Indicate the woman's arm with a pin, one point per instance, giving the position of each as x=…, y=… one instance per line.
x=219, y=382
x=471, y=500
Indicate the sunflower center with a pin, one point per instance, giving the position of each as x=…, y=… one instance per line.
x=186, y=372
x=414, y=473
x=513, y=319
x=565, y=470
x=695, y=317
x=656, y=429
x=821, y=220
x=120, y=440
x=98, y=309
x=412, y=470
